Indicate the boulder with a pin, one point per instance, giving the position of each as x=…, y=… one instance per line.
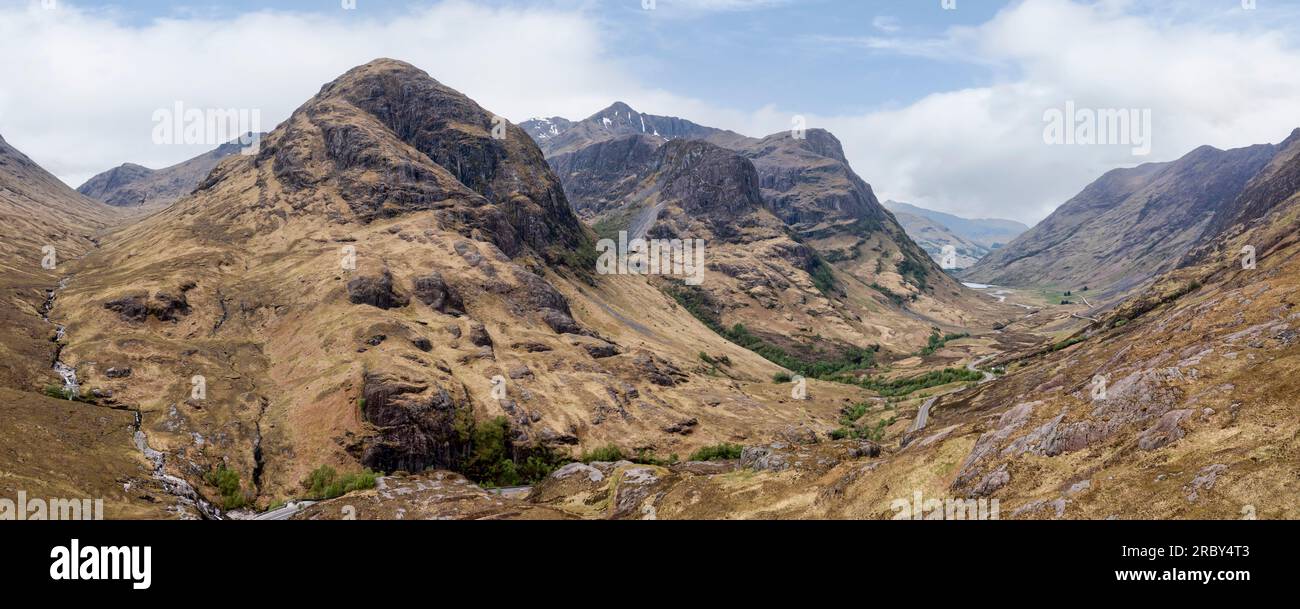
x=433, y=291
x=376, y=291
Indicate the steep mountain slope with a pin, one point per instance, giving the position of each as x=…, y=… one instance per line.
x=37, y=211
x=132, y=185
x=759, y=275
x=381, y=283
x=1181, y=403
x=934, y=238
x=804, y=181
x=52, y=448
x=991, y=233
x=1128, y=226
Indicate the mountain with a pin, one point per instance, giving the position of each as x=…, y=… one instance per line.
x=1173, y=405
x=37, y=211
x=990, y=233
x=805, y=181
x=387, y=285
x=1130, y=225
x=54, y=447
x=132, y=185
x=559, y=135
x=933, y=237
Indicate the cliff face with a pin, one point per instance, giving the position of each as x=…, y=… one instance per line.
x=805, y=182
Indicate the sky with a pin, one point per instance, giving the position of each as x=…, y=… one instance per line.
x=940, y=103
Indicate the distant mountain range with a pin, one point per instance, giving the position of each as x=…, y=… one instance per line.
x=804, y=180
x=131, y=185
x=973, y=239
x=1133, y=224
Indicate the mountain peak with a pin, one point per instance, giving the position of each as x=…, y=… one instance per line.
x=617, y=107
x=390, y=122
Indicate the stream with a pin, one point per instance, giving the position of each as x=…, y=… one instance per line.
x=71, y=388
x=177, y=487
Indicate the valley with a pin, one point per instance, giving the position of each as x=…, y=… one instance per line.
x=390, y=310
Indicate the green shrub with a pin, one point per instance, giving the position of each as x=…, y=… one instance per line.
x=898, y=299
x=911, y=385
x=1065, y=344
x=607, y=453
x=718, y=452
x=851, y=414
x=781, y=378
x=491, y=460
x=938, y=341
x=699, y=304
x=914, y=270
x=823, y=277
x=59, y=393
x=325, y=483
x=227, y=484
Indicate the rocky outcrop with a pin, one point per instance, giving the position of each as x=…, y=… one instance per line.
x=434, y=148
x=433, y=291
x=164, y=306
x=600, y=177
x=418, y=425
x=376, y=291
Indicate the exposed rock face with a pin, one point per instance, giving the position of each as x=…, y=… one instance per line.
x=1166, y=430
x=376, y=291
x=163, y=307
x=1130, y=225
x=478, y=335
x=433, y=291
x=416, y=425
x=114, y=186
x=598, y=178
x=450, y=159
x=657, y=370
x=708, y=180
x=785, y=218
x=1271, y=186
x=763, y=458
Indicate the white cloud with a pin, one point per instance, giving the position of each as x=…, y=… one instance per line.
x=80, y=87
x=886, y=23
x=980, y=152
x=720, y=5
